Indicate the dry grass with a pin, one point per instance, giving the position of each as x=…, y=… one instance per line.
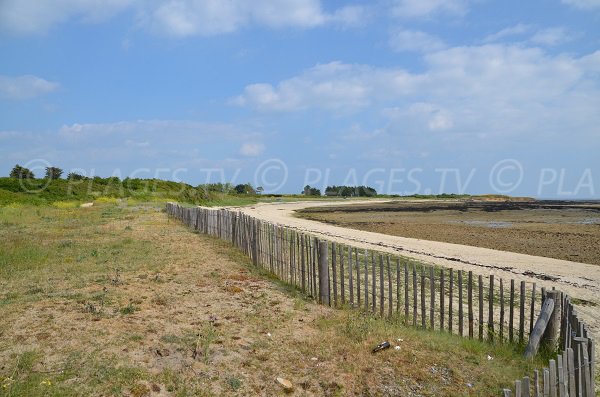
x=118, y=300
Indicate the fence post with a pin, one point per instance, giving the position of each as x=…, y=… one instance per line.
x=323, y=273
x=550, y=338
x=540, y=327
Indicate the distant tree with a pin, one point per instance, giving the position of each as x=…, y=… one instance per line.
x=332, y=191
x=53, y=173
x=19, y=172
x=216, y=187
x=366, y=191
x=260, y=189
x=72, y=176
x=311, y=191
x=244, y=189
x=350, y=191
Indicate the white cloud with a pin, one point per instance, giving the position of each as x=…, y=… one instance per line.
x=252, y=149
x=583, y=4
x=137, y=132
x=427, y=8
x=25, y=87
x=177, y=18
x=350, y=15
x=422, y=115
x=414, y=40
x=488, y=90
x=32, y=17
x=209, y=17
x=551, y=36
x=334, y=85
x=517, y=30
x=543, y=37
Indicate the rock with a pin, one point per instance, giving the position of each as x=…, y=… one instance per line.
x=86, y=205
x=286, y=384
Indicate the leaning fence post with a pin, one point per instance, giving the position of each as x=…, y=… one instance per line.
x=540, y=327
x=323, y=273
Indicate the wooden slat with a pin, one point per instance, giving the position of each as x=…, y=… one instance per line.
x=501, y=311
x=389, y=277
x=398, y=288
x=415, y=295
x=562, y=390
x=579, y=381
x=460, y=304
x=522, y=313
x=593, y=363
x=357, y=265
x=565, y=368
x=480, y=296
x=546, y=382
x=491, y=310
x=470, y=303
x=350, y=277
x=536, y=383
x=511, y=310
x=381, y=291
x=442, y=297
x=367, y=281
x=406, y=296
x=587, y=375
x=423, y=310
x=334, y=274
x=432, y=297
x=450, y=299
x=571, y=371
x=373, y=283
x=532, y=311
x=315, y=264
x=553, y=379
x=342, y=275
x=525, y=387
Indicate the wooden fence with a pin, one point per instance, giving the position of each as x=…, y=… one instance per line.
x=473, y=306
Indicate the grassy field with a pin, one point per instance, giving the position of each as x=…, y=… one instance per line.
x=117, y=299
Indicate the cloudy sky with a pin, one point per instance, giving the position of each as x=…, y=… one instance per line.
x=408, y=96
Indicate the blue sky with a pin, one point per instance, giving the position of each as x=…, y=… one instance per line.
x=407, y=96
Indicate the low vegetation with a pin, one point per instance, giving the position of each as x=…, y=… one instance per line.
x=116, y=299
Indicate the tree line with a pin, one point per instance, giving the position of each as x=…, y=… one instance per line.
x=341, y=191
x=19, y=172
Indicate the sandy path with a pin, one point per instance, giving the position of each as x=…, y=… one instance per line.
x=579, y=280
